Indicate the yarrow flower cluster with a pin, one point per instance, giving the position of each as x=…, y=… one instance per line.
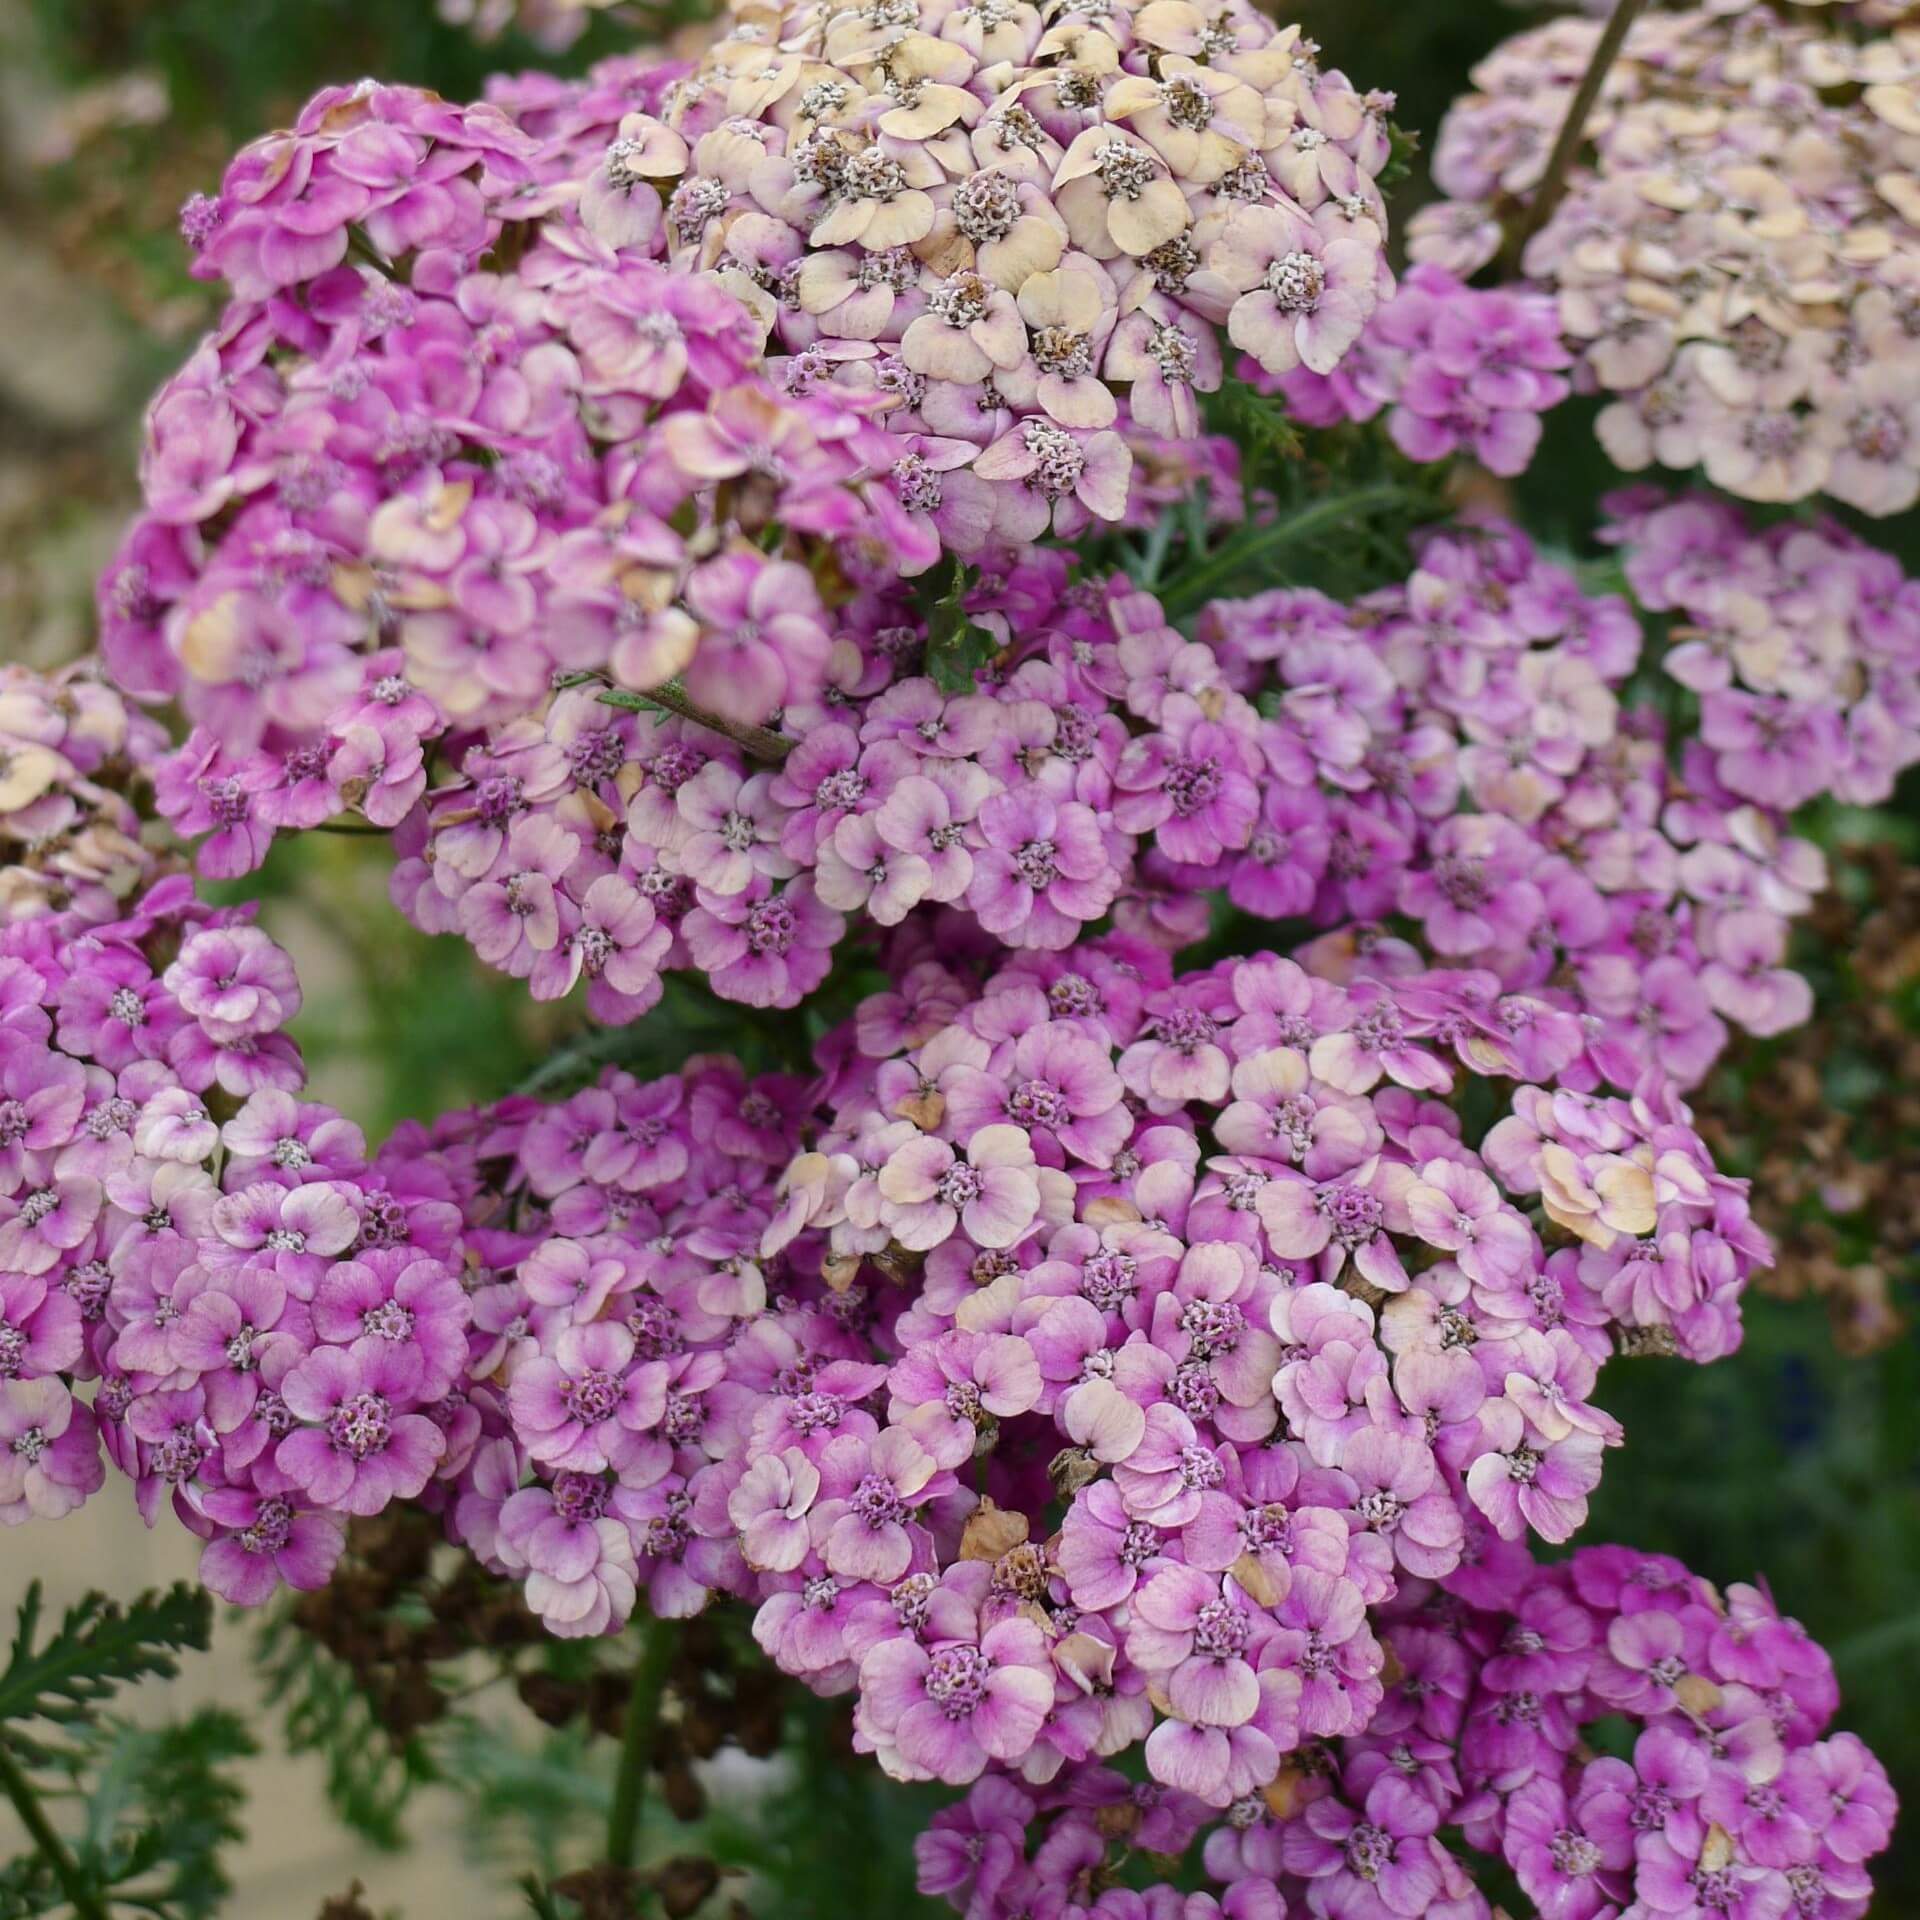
x=1802, y=645
x=1087, y=1358
x=1450, y=756
x=1497, y=795
x=1456, y=368
x=387, y=498
x=646, y=377
x=71, y=754
x=1737, y=260
x=1087, y=1362
x=1726, y=1794
x=1013, y=216
x=144, y=1246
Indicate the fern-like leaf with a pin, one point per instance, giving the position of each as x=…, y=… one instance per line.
x=98, y=1646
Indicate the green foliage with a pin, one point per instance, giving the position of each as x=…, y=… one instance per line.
x=1404, y=143
x=155, y=1804
x=956, y=648
x=98, y=1647
x=1257, y=423
x=370, y=1778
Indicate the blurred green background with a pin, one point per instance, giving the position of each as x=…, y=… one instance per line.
x=1798, y=1460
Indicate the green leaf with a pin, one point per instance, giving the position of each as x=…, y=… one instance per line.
x=97, y=1647
x=1402, y=144
x=543, y=1803
x=1258, y=423
x=164, y=1806
x=1245, y=562
x=956, y=648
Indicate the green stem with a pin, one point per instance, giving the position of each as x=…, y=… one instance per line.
x=636, y=1743
x=758, y=741
x=1219, y=570
x=83, y=1899
x=1553, y=183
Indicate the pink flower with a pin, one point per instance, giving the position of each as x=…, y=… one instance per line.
x=943, y=1710
x=994, y=1193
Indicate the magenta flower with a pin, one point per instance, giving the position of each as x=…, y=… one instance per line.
x=235, y=982
x=1382, y=1859
x=861, y=1522
x=763, y=644
x=234, y=1330
x=1058, y=1086
x=515, y=916
x=385, y=1299
x=928, y=1190
x=1459, y=1210
x=760, y=947
x=297, y=1231
x=271, y=1543
x=1041, y=869
x=1302, y=300
x=363, y=1447
x=969, y=1695
x=581, y=1568
x=1564, y=1869
x=585, y=1405
x=40, y=1329
x=770, y=1506
x=49, y=1451
x=1524, y=1480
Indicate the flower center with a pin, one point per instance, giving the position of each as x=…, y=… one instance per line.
x=986, y=206
x=1296, y=281
x=592, y=1396
x=956, y=1680
x=388, y=1321
x=771, y=927
x=361, y=1425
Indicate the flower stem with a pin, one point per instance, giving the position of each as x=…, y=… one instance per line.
x=83, y=1898
x=757, y=741
x=636, y=1742
x=1553, y=183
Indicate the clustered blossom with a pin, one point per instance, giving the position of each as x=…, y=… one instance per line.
x=1089, y=1362
x=1026, y=223
x=71, y=754
x=1480, y=778
x=180, y=1264
x=1802, y=645
x=1737, y=258
x=647, y=378
x=1727, y=1794
x=403, y=486
x=1136, y=1361
x=1453, y=751
x=1086, y=1358
x=1457, y=369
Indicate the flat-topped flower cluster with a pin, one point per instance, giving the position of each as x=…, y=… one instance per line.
x=1727, y=1795
x=649, y=375
x=1089, y=1361
x=1122, y=1360
x=1737, y=258
x=1454, y=368
x=70, y=836
x=1447, y=759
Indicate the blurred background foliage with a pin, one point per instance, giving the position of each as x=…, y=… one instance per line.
x=1798, y=1460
